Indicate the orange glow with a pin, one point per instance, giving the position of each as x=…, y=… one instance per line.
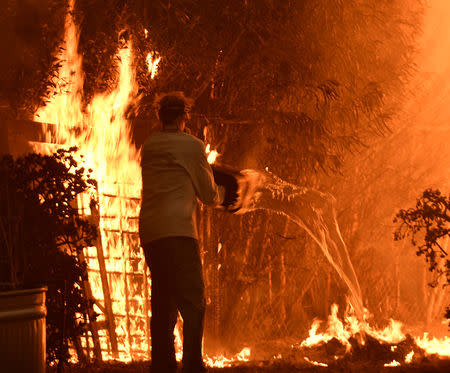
x=102, y=133
x=335, y=329
x=152, y=62
x=393, y=363
x=409, y=357
x=211, y=154
x=434, y=345
x=391, y=334
x=222, y=362
x=103, y=136
x=316, y=363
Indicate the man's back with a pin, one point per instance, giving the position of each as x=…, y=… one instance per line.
x=174, y=173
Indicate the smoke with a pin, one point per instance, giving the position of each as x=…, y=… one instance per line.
x=392, y=173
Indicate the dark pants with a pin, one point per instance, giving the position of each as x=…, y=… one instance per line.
x=177, y=285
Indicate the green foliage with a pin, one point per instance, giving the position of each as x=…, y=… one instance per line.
x=41, y=235
x=428, y=223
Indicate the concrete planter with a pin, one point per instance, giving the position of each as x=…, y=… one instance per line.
x=22, y=331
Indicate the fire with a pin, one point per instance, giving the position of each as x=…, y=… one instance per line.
x=316, y=363
x=409, y=357
x=153, y=62
x=393, y=363
x=434, y=345
x=102, y=133
x=103, y=136
x=223, y=362
x=211, y=154
x=352, y=327
x=336, y=329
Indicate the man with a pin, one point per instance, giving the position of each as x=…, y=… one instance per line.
x=175, y=172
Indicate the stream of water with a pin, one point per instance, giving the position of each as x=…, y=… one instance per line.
x=309, y=209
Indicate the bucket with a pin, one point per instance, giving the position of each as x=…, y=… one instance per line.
x=239, y=187
x=22, y=331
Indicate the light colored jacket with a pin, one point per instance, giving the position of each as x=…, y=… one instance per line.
x=175, y=172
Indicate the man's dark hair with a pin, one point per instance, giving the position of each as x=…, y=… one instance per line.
x=172, y=106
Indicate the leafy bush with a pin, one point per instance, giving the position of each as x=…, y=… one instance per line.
x=41, y=235
x=428, y=223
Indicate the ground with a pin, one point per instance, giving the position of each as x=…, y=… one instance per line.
x=430, y=366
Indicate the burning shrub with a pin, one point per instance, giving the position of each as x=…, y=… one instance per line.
x=41, y=237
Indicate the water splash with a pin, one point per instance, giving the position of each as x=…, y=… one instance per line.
x=309, y=209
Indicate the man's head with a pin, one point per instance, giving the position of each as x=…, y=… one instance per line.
x=173, y=109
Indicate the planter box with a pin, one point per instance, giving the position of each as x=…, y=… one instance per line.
x=22, y=331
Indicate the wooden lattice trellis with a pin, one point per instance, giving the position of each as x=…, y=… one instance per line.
x=118, y=276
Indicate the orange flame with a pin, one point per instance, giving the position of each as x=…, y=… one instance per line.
x=223, y=362
x=153, y=62
x=211, y=154
x=393, y=363
x=103, y=136
x=391, y=334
